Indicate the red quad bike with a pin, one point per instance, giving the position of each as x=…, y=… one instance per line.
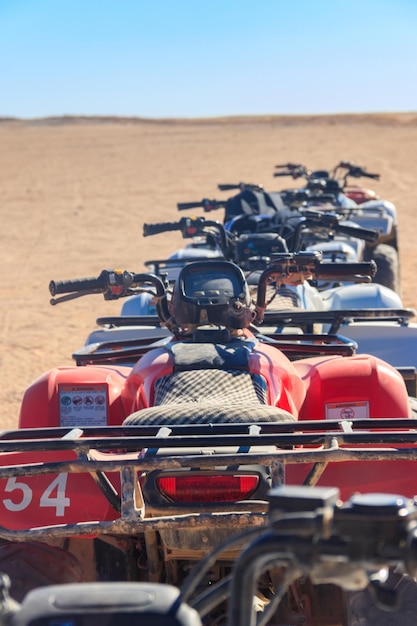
x=134, y=463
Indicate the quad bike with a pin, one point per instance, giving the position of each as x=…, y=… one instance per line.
x=258, y=212
x=135, y=462
x=335, y=188
x=327, y=562
x=373, y=318
x=249, y=240
x=356, y=203
x=327, y=190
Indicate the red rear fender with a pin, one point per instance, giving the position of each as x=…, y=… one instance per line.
x=360, y=194
x=361, y=386
x=75, y=397
x=65, y=498
x=361, y=477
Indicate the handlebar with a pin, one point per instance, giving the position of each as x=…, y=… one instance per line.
x=293, y=173
x=289, y=166
x=295, y=170
x=161, y=227
x=208, y=204
x=190, y=227
x=295, y=268
x=333, y=221
x=366, y=234
x=99, y=283
x=356, y=171
x=284, y=268
x=240, y=186
x=113, y=284
x=311, y=533
x=309, y=529
x=328, y=271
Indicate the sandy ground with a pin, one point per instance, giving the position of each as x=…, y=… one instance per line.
x=75, y=194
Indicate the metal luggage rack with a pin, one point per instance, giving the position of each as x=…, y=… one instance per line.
x=295, y=346
x=128, y=351
x=270, y=445
x=336, y=318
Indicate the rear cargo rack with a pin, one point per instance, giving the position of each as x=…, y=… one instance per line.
x=121, y=450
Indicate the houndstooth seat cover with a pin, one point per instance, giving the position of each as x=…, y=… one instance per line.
x=207, y=397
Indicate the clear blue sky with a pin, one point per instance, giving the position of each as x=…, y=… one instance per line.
x=204, y=58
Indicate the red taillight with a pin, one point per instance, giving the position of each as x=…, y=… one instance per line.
x=203, y=488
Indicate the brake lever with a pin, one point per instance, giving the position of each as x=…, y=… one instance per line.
x=72, y=296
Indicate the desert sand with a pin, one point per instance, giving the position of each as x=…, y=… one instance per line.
x=75, y=193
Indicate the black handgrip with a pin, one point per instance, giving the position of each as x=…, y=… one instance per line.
x=359, y=172
x=331, y=221
x=369, y=175
x=208, y=204
x=184, y=206
x=228, y=187
x=80, y=284
x=113, y=284
x=241, y=186
x=367, y=234
x=283, y=174
x=162, y=227
x=342, y=270
x=290, y=166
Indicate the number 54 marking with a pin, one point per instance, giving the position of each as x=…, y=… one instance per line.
x=53, y=496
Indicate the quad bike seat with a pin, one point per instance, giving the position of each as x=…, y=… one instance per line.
x=210, y=383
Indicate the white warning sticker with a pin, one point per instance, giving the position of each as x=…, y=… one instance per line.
x=347, y=410
x=82, y=405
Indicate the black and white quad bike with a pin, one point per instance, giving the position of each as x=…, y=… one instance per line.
x=328, y=191
x=362, y=206
x=367, y=312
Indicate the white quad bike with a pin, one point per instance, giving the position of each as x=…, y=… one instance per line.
x=371, y=314
x=332, y=189
x=329, y=191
